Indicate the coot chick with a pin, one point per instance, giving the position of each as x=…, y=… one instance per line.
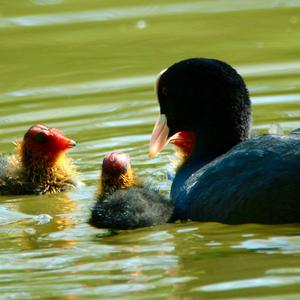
x=39, y=164
x=226, y=176
x=123, y=201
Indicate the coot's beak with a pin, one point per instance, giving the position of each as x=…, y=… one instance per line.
x=159, y=136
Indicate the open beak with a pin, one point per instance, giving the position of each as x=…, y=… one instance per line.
x=159, y=138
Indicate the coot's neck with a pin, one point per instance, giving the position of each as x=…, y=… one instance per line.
x=205, y=150
x=198, y=158
x=210, y=145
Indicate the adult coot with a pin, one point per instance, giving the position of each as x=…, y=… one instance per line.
x=226, y=176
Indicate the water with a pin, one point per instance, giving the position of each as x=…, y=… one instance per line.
x=88, y=68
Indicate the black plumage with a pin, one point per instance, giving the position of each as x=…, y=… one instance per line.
x=123, y=201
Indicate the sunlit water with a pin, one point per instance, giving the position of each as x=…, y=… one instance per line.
x=89, y=67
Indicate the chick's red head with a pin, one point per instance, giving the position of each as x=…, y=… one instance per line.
x=43, y=141
x=116, y=164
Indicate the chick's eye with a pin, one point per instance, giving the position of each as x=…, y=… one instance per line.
x=41, y=137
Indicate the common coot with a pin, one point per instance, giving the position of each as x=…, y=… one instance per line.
x=226, y=176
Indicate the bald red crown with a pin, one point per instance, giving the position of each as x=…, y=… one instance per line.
x=116, y=163
x=43, y=140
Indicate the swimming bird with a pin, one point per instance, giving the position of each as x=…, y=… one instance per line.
x=124, y=201
x=226, y=176
x=39, y=164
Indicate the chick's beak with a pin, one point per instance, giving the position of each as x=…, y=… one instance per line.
x=159, y=138
x=72, y=143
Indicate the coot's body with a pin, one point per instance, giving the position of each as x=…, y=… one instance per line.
x=258, y=181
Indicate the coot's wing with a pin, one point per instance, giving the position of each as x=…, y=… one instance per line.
x=257, y=181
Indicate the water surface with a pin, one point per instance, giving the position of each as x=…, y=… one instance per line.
x=88, y=68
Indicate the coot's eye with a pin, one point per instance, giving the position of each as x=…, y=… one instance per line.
x=41, y=137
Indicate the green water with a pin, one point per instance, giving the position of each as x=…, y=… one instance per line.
x=88, y=67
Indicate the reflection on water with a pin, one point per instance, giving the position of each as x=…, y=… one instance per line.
x=117, y=84
x=89, y=67
x=251, y=283
x=121, y=13
x=36, y=217
x=283, y=245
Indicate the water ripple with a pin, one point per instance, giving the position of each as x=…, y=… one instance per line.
x=275, y=99
x=121, y=13
x=75, y=89
x=123, y=83
x=267, y=281
x=276, y=244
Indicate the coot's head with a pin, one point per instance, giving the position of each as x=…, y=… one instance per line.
x=204, y=98
x=116, y=173
x=44, y=143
